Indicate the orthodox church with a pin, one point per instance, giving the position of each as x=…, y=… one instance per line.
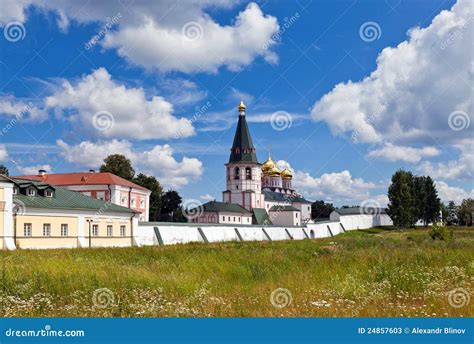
x=255, y=193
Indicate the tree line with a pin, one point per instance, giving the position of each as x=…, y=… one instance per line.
x=412, y=199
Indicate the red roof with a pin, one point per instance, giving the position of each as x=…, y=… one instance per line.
x=84, y=178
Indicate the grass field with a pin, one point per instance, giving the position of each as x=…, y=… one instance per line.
x=371, y=273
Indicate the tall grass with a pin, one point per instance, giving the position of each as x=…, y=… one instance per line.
x=363, y=273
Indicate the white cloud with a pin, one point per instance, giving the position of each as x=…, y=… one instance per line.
x=207, y=197
x=452, y=193
x=29, y=170
x=392, y=152
x=132, y=114
x=336, y=187
x=151, y=33
x=158, y=161
x=153, y=45
x=20, y=110
x=414, y=89
x=462, y=168
x=3, y=153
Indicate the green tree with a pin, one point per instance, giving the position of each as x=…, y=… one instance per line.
x=319, y=209
x=402, y=208
x=466, y=212
x=451, y=215
x=152, y=184
x=119, y=165
x=428, y=205
x=432, y=204
x=4, y=170
x=170, y=205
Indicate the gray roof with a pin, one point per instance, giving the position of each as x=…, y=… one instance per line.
x=221, y=206
x=361, y=210
x=283, y=208
x=279, y=197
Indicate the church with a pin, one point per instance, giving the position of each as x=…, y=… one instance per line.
x=258, y=194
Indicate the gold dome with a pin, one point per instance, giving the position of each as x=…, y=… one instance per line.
x=268, y=165
x=242, y=106
x=286, y=174
x=274, y=172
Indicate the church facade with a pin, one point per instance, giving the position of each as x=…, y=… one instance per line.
x=255, y=193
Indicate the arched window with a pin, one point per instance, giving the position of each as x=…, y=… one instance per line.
x=248, y=173
x=237, y=173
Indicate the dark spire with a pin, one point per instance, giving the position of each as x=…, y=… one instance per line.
x=242, y=149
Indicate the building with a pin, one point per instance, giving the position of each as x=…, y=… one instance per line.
x=263, y=190
x=39, y=215
x=103, y=186
x=361, y=217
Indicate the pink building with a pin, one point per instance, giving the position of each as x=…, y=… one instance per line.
x=101, y=185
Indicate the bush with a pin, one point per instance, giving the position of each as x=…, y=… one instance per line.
x=440, y=232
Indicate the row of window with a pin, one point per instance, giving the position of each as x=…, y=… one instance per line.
x=133, y=202
x=31, y=191
x=28, y=227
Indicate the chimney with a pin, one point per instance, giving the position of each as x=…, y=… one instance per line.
x=41, y=172
x=91, y=171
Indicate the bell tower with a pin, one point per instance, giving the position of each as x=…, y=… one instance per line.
x=243, y=172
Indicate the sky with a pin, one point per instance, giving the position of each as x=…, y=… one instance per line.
x=344, y=92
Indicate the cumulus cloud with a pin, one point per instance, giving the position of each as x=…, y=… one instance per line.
x=20, y=110
x=3, y=153
x=414, y=89
x=158, y=161
x=391, y=152
x=29, y=170
x=336, y=187
x=462, y=168
x=168, y=35
x=125, y=112
x=452, y=193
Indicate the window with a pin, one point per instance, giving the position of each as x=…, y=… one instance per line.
x=123, y=230
x=15, y=191
x=48, y=193
x=110, y=230
x=31, y=192
x=101, y=195
x=309, y=208
x=64, y=229
x=124, y=200
x=311, y=234
x=234, y=218
x=223, y=218
x=229, y=218
x=46, y=229
x=95, y=230
x=134, y=201
x=27, y=229
x=142, y=203
x=296, y=215
x=248, y=173
x=237, y=173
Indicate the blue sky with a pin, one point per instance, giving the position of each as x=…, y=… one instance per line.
x=162, y=81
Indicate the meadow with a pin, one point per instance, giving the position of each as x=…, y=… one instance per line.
x=367, y=273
